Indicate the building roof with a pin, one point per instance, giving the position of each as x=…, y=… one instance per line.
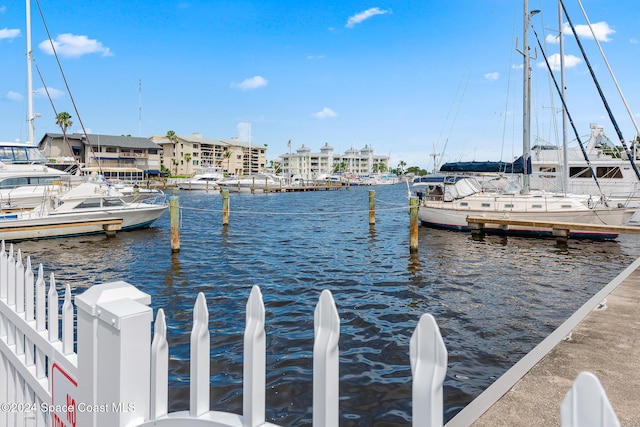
x=106, y=140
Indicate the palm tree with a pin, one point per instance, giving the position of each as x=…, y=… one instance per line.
x=187, y=158
x=175, y=163
x=227, y=155
x=63, y=119
x=401, y=165
x=340, y=167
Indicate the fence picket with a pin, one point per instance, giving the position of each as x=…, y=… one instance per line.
x=19, y=283
x=159, y=368
x=254, y=369
x=29, y=294
x=325, y=362
x=52, y=311
x=3, y=273
x=19, y=340
x=11, y=278
x=586, y=404
x=67, y=322
x=29, y=290
x=428, y=356
x=199, y=367
x=41, y=302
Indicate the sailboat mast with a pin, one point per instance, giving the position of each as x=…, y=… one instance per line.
x=526, y=106
x=565, y=159
x=31, y=118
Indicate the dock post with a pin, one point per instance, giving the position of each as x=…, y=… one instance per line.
x=174, y=212
x=561, y=235
x=225, y=207
x=413, y=224
x=372, y=207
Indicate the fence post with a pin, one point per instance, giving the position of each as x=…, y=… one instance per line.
x=428, y=357
x=114, y=326
x=325, y=362
x=174, y=213
x=254, y=369
x=413, y=224
x=586, y=404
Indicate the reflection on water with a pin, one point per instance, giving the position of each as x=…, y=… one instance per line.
x=494, y=298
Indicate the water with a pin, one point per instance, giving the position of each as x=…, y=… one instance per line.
x=494, y=299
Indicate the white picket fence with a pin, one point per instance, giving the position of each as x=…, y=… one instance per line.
x=119, y=377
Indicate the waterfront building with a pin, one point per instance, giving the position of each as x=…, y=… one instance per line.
x=122, y=156
x=188, y=153
x=310, y=165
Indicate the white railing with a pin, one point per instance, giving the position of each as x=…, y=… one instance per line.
x=119, y=377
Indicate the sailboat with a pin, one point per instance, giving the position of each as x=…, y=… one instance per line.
x=446, y=201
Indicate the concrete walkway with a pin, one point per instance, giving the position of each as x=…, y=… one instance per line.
x=603, y=339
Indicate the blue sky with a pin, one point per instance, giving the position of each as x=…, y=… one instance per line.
x=400, y=76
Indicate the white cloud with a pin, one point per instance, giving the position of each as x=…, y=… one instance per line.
x=315, y=56
x=492, y=76
x=363, y=16
x=570, y=61
x=325, y=113
x=53, y=93
x=73, y=46
x=13, y=96
x=602, y=31
x=6, y=33
x=254, y=82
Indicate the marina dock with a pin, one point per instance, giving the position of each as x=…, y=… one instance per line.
x=602, y=337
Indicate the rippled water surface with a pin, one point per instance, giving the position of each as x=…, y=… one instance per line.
x=494, y=299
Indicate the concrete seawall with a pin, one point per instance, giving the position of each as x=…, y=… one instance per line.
x=602, y=337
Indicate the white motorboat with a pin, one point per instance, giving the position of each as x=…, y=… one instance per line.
x=202, y=181
x=87, y=208
x=24, y=177
x=255, y=183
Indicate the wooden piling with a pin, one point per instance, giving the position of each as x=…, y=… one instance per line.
x=174, y=212
x=413, y=224
x=372, y=207
x=225, y=207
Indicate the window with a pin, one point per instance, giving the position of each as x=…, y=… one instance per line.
x=609, y=172
x=579, y=172
x=486, y=205
x=536, y=206
x=89, y=203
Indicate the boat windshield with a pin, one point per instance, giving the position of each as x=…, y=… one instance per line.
x=21, y=154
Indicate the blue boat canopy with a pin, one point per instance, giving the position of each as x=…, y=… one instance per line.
x=496, y=167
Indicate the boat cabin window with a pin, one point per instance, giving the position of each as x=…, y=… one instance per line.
x=609, y=172
x=536, y=206
x=112, y=201
x=464, y=204
x=508, y=206
x=14, y=182
x=28, y=180
x=486, y=205
x=89, y=203
x=580, y=172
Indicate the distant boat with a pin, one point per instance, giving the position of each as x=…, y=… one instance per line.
x=255, y=182
x=87, y=208
x=202, y=180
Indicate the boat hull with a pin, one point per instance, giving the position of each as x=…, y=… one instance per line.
x=26, y=227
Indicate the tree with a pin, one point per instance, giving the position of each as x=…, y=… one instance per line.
x=340, y=167
x=375, y=168
x=63, y=119
x=401, y=165
x=187, y=158
x=227, y=155
x=175, y=163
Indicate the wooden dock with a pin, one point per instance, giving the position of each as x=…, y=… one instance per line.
x=560, y=230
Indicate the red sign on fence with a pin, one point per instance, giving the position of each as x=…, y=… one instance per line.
x=63, y=398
